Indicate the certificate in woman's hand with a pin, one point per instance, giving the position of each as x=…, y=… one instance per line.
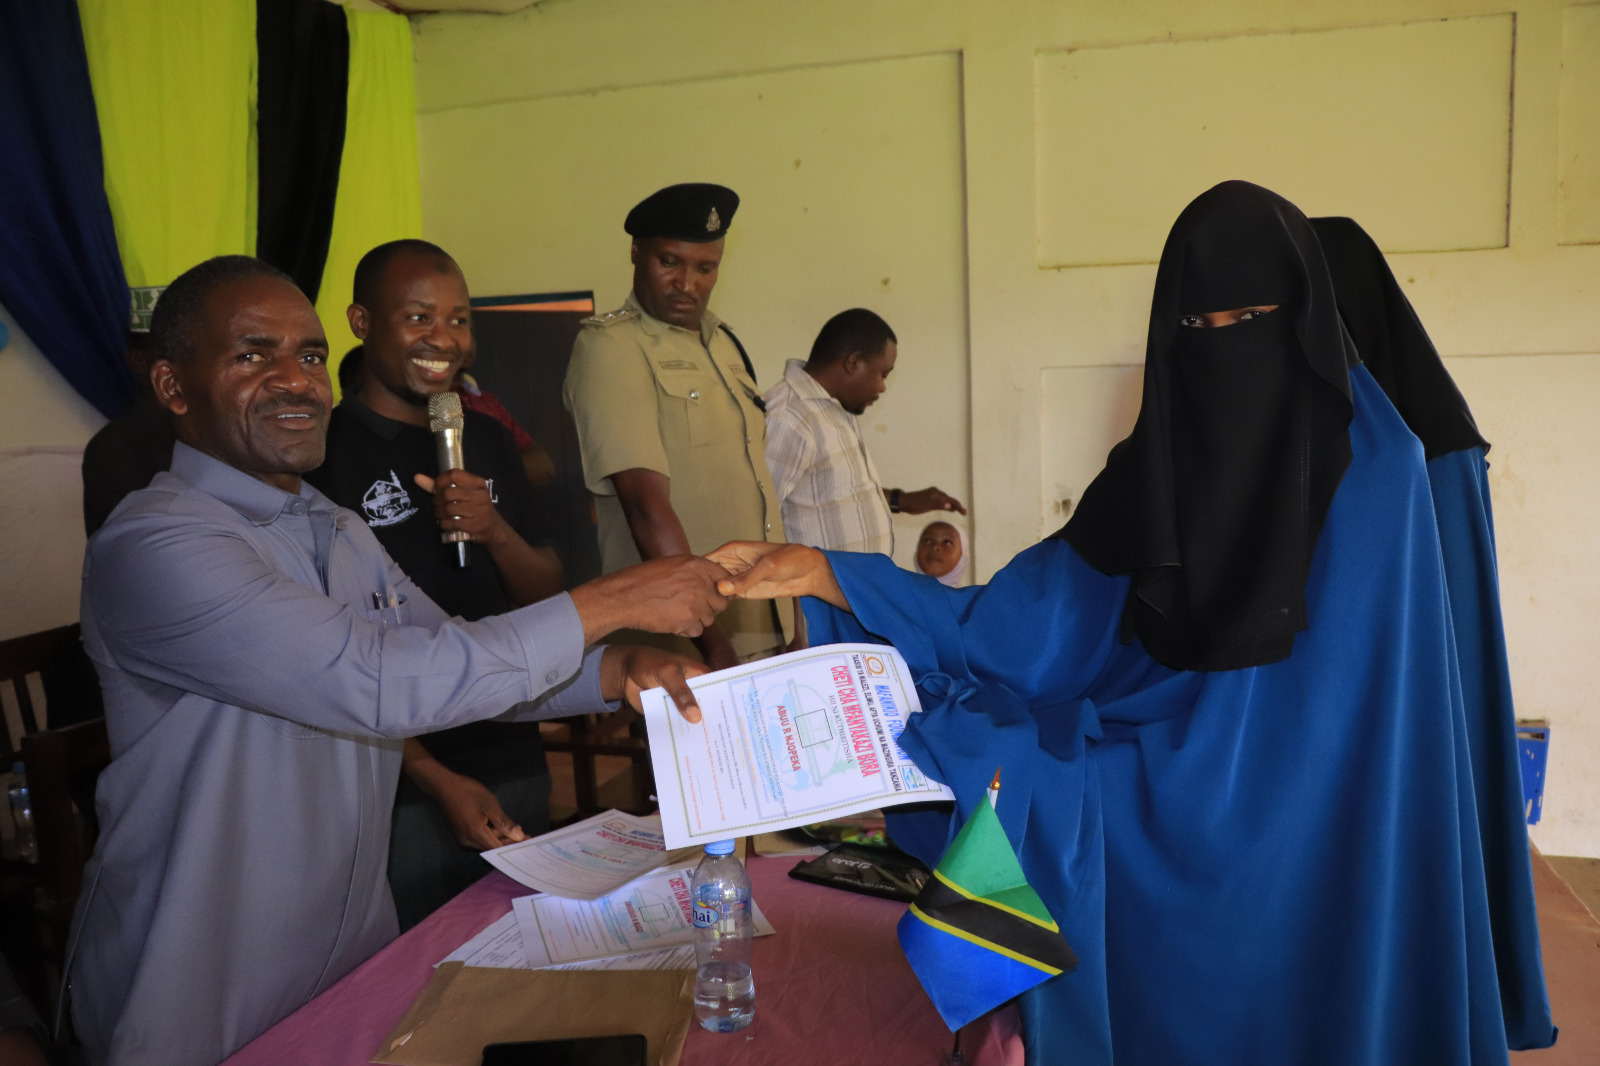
x=786, y=741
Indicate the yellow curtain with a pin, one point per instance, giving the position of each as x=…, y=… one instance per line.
x=175, y=89
x=379, y=198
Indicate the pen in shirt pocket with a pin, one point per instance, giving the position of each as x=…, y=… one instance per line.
x=390, y=605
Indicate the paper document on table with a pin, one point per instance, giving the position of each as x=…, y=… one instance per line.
x=499, y=947
x=650, y=914
x=587, y=859
x=787, y=741
x=679, y=958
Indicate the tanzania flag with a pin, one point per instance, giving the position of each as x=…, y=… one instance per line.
x=977, y=935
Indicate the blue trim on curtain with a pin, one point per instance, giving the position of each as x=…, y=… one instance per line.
x=60, y=273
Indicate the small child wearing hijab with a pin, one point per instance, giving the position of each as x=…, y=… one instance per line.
x=942, y=553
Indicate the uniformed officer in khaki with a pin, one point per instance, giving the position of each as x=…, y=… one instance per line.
x=669, y=418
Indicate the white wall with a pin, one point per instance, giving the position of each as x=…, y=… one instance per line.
x=1545, y=436
x=42, y=436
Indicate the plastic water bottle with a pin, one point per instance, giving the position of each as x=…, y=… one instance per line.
x=724, y=993
x=22, y=816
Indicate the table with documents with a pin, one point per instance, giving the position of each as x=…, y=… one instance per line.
x=831, y=986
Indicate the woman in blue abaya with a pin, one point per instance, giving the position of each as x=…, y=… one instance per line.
x=1224, y=697
x=1396, y=350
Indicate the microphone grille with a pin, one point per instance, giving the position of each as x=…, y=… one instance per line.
x=444, y=412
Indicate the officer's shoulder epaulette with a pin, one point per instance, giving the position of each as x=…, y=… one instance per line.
x=611, y=318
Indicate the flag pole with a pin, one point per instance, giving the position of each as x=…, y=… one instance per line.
x=956, y=1057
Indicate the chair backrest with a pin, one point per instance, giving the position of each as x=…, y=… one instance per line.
x=587, y=737
x=63, y=766
x=65, y=676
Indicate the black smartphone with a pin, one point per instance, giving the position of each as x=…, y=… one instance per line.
x=873, y=871
x=626, y=1050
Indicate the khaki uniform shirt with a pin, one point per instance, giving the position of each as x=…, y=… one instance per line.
x=653, y=396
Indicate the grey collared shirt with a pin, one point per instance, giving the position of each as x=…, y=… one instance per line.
x=258, y=684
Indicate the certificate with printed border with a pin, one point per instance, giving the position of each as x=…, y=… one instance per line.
x=786, y=741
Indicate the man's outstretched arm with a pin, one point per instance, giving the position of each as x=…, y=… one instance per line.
x=188, y=604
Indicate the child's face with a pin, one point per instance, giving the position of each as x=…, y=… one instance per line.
x=939, y=550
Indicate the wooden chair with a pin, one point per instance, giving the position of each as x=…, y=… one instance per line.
x=19, y=658
x=53, y=664
x=62, y=744
x=591, y=735
x=63, y=766
x=65, y=676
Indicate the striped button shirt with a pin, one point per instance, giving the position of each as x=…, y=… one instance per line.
x=829, y=489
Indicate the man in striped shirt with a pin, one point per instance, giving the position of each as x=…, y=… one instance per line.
x=831, y=494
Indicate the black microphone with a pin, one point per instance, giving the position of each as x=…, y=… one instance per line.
x=448, y=425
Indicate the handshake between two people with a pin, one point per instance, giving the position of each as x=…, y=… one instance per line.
x=681, y=595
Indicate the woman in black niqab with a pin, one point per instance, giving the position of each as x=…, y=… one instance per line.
x=1214, y=502
x=1238, y=857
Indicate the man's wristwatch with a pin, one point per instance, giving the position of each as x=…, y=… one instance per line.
x=894, y=501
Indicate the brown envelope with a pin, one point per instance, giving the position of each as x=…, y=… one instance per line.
x=465, y=1007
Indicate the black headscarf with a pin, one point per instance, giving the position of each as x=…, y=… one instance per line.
x=1392, y=342
x=1214, y=502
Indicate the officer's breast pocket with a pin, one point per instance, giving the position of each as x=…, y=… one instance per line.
x=686, y=408
x=755, y=405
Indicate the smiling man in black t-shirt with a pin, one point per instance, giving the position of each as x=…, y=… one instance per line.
x=485, y=784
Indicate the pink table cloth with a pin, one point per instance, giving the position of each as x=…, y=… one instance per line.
x=831, y=986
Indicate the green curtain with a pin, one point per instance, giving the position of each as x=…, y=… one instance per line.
x=175, y=91
x=379, y=197
x=174, y=87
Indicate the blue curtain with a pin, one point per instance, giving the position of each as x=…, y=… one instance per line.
x=60, y=275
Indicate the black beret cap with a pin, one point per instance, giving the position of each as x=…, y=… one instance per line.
x=697, y=212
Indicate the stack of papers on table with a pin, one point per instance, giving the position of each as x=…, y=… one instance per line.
x=650, y=916
x=604, y=901
x=590, y=858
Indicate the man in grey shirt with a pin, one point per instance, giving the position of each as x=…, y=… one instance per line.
x=262, y=660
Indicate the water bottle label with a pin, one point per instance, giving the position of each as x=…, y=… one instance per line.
x=705, y=915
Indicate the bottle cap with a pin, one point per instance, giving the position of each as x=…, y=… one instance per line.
x=720, y=847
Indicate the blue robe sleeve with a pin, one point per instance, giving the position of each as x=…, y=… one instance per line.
x=1459, y=482
x=1047, y=591
x=1001, y=672
x=975, y=654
